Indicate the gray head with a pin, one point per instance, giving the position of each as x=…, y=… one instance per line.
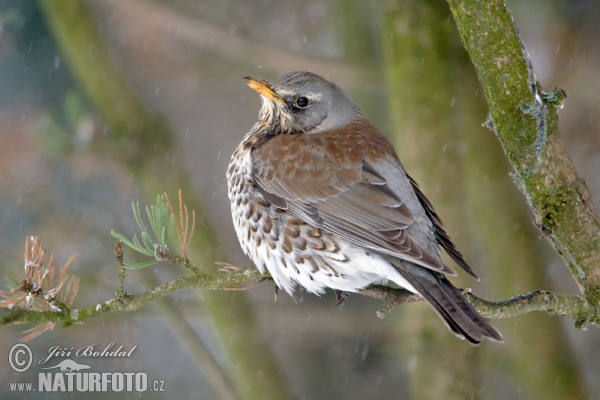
x=302, y=102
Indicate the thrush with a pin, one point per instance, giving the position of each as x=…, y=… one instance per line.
x=321, y=200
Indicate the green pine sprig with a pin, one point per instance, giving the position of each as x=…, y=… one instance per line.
x=156, y=245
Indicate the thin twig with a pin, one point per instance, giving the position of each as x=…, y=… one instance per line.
x=183, y=227
x=119, y=256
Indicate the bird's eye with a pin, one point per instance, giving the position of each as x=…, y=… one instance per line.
x=301, y=102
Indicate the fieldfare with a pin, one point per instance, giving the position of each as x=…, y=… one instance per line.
x=320, y=199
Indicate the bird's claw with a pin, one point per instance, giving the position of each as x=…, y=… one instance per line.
x=340, y=297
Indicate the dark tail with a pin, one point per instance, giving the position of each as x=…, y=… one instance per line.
x=449, y=303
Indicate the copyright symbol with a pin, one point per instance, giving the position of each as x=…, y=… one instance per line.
x=20, y=357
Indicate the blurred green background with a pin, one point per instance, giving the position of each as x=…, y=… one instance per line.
x=107, y=102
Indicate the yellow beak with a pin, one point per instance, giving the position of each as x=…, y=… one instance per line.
x=262, y=87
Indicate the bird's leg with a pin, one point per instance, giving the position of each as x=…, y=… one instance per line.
x=340, y=296
x=299, y=293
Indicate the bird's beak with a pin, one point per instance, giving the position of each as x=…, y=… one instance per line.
x=263, y=87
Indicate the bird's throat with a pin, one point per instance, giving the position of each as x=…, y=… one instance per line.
x=273, y=118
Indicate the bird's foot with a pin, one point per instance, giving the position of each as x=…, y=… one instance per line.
x=299, y=293
x=340, y=297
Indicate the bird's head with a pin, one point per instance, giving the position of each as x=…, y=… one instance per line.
x=302, y=102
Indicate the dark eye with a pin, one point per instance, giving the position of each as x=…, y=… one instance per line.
x=301, y=102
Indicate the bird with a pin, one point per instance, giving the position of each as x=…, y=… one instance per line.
x=320, y=199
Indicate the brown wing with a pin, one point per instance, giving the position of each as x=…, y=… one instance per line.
x=324, y=181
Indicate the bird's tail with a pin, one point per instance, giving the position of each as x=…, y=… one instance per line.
x=449, y=303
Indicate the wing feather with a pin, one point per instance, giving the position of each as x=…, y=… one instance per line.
x=339, y=189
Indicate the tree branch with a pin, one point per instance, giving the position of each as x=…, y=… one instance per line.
x=575, y=307
x=524, y=117
x=133, y=302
